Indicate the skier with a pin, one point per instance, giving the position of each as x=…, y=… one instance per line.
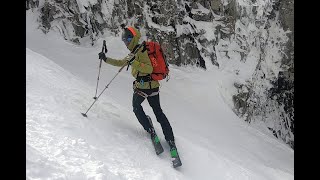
x=143, y=86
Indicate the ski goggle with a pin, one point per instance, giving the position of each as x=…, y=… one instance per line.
x=127, y=40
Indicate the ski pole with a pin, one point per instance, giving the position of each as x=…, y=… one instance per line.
x=104, y=47
x=85, y=114
x=136, y=50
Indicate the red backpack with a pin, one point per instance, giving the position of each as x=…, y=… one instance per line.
x=159, y=64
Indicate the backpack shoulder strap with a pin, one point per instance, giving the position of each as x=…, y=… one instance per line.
x=137, y=46
x=144, y=47
x=135, y=50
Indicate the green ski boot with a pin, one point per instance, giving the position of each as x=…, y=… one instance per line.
x=155, y=141
x=176, y=162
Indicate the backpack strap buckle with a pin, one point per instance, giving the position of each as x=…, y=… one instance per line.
x=141, y=81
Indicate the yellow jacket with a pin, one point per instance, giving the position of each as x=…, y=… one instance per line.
x=141, y=65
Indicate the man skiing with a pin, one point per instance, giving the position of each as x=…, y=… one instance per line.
x=144, y=87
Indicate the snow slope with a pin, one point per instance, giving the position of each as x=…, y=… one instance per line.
x=110, y=144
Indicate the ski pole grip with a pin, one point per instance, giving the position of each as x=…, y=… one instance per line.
x=104, y=47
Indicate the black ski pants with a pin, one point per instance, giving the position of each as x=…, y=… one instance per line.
x=154, y=102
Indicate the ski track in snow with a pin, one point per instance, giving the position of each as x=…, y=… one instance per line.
x=110, y=144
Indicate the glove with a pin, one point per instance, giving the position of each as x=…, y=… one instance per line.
x=130, y=58
x=102, y=56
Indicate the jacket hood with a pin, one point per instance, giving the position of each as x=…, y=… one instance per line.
x=135, y=39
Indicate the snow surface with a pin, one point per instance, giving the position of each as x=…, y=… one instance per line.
x=110, y=144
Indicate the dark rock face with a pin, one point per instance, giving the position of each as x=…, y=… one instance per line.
x=269, y=95
x=78, y=22
x=286, y=11
x=32, y=4
x=203, y=33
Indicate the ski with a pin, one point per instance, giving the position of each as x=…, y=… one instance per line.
x=156, y=144
x=176, y=162
x=155, y=140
